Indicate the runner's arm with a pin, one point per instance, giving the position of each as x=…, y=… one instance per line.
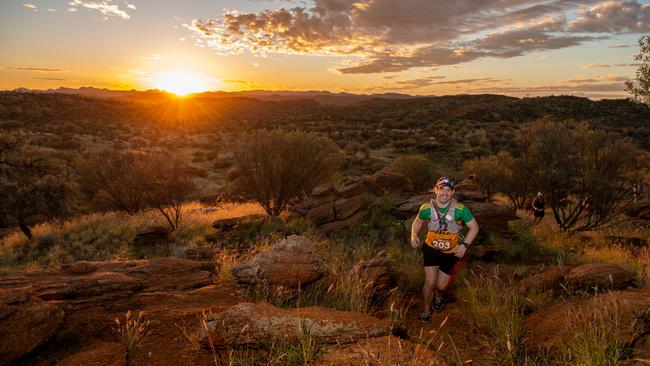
x=415, y=230
x=472, y=225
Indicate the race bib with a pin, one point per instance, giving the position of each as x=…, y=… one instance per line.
x=445, y=242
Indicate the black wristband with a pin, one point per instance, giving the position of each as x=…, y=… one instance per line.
x=467, y=245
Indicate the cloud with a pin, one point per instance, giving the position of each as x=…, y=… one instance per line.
x=38, y=69
x=614, y=17
x=54, y=79
x=619, y=46
x=600, y=79
x=392, y=36
x=595, y=66
x=30, y=6
x=103, y=7
x=628, y=65
x=472, y=81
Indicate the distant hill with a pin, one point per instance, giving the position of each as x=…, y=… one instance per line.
x=321, y=97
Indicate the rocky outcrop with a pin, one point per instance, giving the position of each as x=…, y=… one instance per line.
x=109, y=282
x=262, y=323
x=388, y=350
x=151, y=236
x=26, y=326
x=627, y=310
x=599, y=275
x=196, y=253
x=291, y=262
x=383, y=182
x=603, y=276
x=227, y=224
x=337, y=215
x=546, y=280
x=102, y=353
x=378, y=270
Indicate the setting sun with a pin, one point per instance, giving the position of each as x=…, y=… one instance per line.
x=180, y=82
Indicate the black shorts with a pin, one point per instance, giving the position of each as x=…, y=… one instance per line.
x=539, y=213
x=436, y=258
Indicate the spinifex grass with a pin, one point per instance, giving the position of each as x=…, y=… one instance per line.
x=498, y=313
x=132, y=330
x=597, y=338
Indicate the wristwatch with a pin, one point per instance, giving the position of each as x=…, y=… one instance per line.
x=467, y=245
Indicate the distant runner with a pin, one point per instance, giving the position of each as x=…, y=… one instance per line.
x=444, y=244
x=538, y=207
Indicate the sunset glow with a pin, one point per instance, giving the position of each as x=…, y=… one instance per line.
x=180, y=82
x=420, y=47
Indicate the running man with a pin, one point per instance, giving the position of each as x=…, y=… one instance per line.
x=444, y=244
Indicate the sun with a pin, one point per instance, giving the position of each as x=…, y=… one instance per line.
x=180, y=82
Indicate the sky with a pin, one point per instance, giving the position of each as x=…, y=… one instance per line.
x=417, y=47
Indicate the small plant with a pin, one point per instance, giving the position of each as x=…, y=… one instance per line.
x=132, y=330
x=595, y=341
x=499, y=314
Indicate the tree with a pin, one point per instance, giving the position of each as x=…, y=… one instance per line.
x=501, y=173
x=418, y=168
x=167, y=186
x=277, y=166
x=641, y=90
x=113, y=180
x=585, y=173
x=34, y=182
x=133, y=181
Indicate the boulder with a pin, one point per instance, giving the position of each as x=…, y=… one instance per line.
x=471, y=195
x=196, y=253
x=324, y=190
x=82, y=267
x=102, y=353
x=600, y=275
x=378, y=270
x=260, y=324
x=351, y=187
x=151, y=236
x=111, y=281
x=409, y=207
x=337, y=210
x=387, y=350
x=545, y=280
x=27, y=327
x=557, y=324
x=291, y=262
x=227, y=224
x=351, y=221
x=383, y=182
x=322, y=214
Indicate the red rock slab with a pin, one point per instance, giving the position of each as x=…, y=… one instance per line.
x=547, y=327
x=27, y=327
x=99, y=354
x=262, y=323
x=388, y=350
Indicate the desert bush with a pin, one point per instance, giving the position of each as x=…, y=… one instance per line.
x=35, y=182
x=500, y=173
x=641, y=91
x=132, y=181
x=278, y=166
x=586, y=173
x=112, y=180
x=418, y=168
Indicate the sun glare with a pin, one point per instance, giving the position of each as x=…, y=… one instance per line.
x=180, y=82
